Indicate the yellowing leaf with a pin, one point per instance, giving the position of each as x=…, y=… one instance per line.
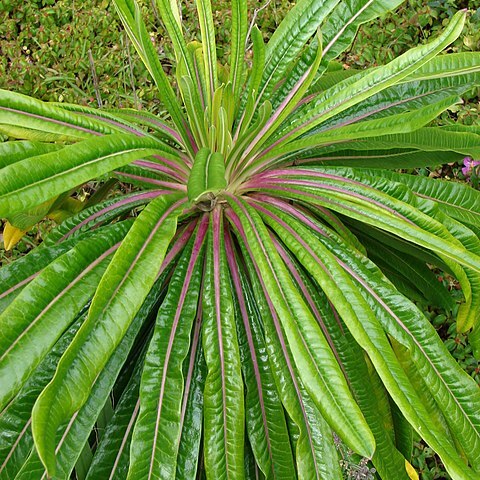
x=411, y=472
x=11, y=235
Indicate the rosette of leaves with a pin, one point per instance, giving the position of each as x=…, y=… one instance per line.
x=254, y=293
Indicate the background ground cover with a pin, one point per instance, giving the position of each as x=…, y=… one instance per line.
x=76, y=52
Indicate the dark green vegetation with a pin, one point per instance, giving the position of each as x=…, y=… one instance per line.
x=291, y=296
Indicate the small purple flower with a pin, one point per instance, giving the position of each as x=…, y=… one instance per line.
x=469, y=165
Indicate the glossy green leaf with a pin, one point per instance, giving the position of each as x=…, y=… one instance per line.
x=338, y=98
x=310, y=435
x=29, y=332
x=289, y=38
x=37, y=120
x=289, y=104
x=194, y=109
x=147, y=119
x=467, y=316
x=372, y=313
x=468, y=279
x=16, y=440
x=147, y=178
x=442, y=77
x=246, y=137
x=311, y=356
x=265, y=421
x=169, y=13
x=385, y=212
x=457, y=200
x=369, y=393
x=367, y=157
x=16, y=275
x=157, y=430
x=112, y=455
x=425, y=139
x=11, y=152
x=91, y=218
x=400, y=123
x=396, y=264
x=189, y=450
x=129, y=14
x=204, y=10
x=239, y=37
x=447, y=382
x=111, y=458
x=74, y=434
x=338, y=32
x=247, y=105
x=118, y=298
x=37, y=179
x=223, y=394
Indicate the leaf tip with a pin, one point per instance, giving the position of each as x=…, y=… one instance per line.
x=11, y=236
x=411, y=472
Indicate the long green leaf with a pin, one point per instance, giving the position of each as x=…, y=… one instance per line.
x=16, y=440
x=370, y=397
x=155, y=441
x=468, y=279
x=443, y=76
x=347, y=93
x=35, y=180
x=112, y=455
x=146, y=119
x=79, y=429
x=289, y=103
x=380, y=210
x=16, y=275
x=457, y=200
x=425, y=139
x=447, y=382
x=189, y=458
x=72, y=445
x=419, y=277
x=389, y=158
x=400, y=123
x=169, y=16
x=11, y=152
x=194, y=108
x=223, y=395
x=30, y=329
x=311, y=356
x=300, y=23
x=204, y=10
x=119, y=296
x=309, y=433
x=132, y=21
x=239, y=37
x=47, y=122
x=247, y=105
x=265, y=421
x=296, y=236
x=93, y=217
x=338, y=32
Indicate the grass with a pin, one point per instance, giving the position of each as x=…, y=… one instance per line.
x=76, y=52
